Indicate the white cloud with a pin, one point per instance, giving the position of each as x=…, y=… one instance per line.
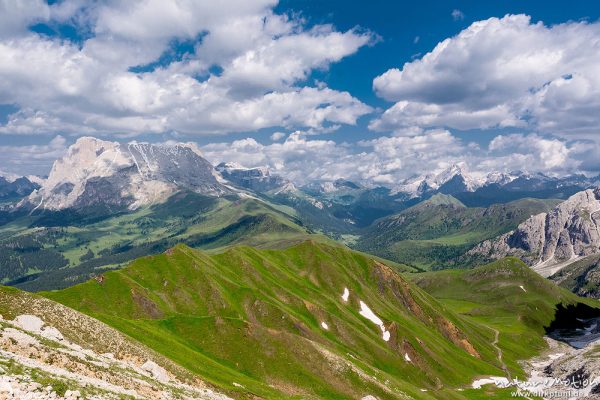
x=498, y=73
x=16, y=16
x=265, y=60
x=23, y=159
x=533, y=153
x=283, y=62
x=297, y=157
x=389, y=160
x=457, y=15
x=277, y=136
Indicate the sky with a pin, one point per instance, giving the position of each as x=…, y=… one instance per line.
x=377, y=91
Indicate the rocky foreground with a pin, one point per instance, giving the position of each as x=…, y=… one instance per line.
x=575, y=373
x=38, y=362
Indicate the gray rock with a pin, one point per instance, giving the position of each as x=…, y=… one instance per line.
x=109, y=175
x=569, y=231
x=256, y=179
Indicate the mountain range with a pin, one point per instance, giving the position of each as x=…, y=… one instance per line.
x=142, y=173
x=105, y=203
x=225, y=282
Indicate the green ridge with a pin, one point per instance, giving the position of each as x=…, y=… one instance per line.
x=435, y=233
x=492, y=295
x=253, y=317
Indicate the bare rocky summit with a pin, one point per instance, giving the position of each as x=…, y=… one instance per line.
x=550, y=241
x=257, y=179
x=114, y=175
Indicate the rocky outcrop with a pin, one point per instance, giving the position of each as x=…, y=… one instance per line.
x=101, y=173
x=548, y=240
x=257, y=179
x=38, y=362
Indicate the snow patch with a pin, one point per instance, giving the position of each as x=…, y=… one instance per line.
x=522, y=288
x=407, y=357
x=324, y=325
x=499, y=381
x=345, y=295
x=366, y=312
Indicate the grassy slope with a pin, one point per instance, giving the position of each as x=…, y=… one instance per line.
x=253, y=317
x=437, y=230
x=491, y=295
x=199, y=221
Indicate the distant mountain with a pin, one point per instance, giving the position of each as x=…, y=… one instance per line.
x=98, y=173
x=438, y=230
x=255, y=179
x=549, y=241
x=454, y=179
x=336, y=186
x=522, y=185
x=476, y=190
x=17, y=188
x=339, y=207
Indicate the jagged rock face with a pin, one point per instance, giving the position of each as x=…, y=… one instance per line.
x=257, y=179
x=455, y=179
x=97, y=172
x=458, y=179
x=571, y=230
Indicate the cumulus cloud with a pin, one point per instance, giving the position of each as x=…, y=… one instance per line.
x=277, y=136
x=391, y=160
x=501, y=72
x=247, y=68
x=542, y=153
x=34, y=159
x=16, y=16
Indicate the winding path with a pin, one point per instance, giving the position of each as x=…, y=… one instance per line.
x=495, y=344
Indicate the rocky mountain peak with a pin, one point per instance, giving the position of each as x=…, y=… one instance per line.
x=551, y=241
x=258, y=178
x=99, y=172
x=454, y=179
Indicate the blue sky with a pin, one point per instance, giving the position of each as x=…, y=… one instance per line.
x=266, y=82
